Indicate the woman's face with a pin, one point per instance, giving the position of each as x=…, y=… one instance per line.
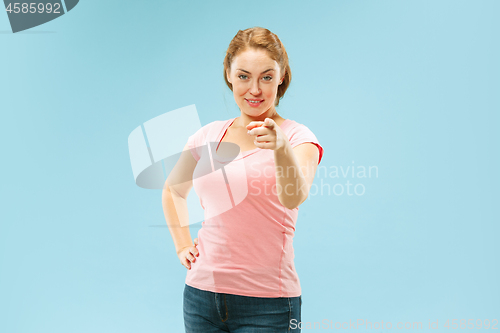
x=255, y=78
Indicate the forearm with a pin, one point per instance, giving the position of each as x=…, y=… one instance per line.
x=176, y=215
x=290, y=181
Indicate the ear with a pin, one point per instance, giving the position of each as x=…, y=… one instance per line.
x=227, y=76
x=283, y=78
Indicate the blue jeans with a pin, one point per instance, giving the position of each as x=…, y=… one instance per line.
x=209, y=312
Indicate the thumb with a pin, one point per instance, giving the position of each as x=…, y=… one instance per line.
x=196, y=241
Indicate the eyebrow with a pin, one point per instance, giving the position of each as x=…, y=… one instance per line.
x=267, y=70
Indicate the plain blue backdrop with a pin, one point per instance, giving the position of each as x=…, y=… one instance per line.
x=410, y=88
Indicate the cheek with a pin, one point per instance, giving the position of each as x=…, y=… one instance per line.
x=239, y=89
x=271, y=92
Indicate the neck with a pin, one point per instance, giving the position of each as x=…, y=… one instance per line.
x=244, y=119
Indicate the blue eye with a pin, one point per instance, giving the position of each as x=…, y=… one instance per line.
x=239, y=76
x=270, y=78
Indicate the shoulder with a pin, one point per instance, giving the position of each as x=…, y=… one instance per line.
x=295, y=129
x=212, y=125
x=206, y=133
x=299, y=133
x=211, y=129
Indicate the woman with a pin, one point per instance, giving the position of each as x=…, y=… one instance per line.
x=241, y=275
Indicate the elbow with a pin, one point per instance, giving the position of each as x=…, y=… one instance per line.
x=292, y=202
x=292, y=199
x=292, y=207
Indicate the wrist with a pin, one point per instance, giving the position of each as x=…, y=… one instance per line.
x=284, y=149
x=181, y=248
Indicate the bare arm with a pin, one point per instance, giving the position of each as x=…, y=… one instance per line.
x=295, y=170
x=295, y=167
x=174, y=195
x=173, y=206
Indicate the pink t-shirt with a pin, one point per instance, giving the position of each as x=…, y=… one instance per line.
x=246, y=240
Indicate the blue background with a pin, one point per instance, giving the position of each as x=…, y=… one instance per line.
x=411, y=87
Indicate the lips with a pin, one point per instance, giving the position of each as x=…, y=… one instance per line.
x=254, y=102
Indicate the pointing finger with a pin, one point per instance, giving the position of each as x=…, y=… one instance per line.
x=254, y=124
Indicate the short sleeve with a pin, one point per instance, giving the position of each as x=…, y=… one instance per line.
x=302, y=134
x=195, y=143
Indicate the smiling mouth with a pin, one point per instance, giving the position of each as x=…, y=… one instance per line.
x=254, y=101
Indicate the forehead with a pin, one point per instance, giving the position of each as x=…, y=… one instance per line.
x=255, y=59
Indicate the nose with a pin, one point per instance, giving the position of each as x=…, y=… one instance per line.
x=255, y=89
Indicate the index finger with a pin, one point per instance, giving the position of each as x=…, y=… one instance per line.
x=254, y=124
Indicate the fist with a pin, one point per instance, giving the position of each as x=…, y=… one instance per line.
x=268, y=135
x=187, y=255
